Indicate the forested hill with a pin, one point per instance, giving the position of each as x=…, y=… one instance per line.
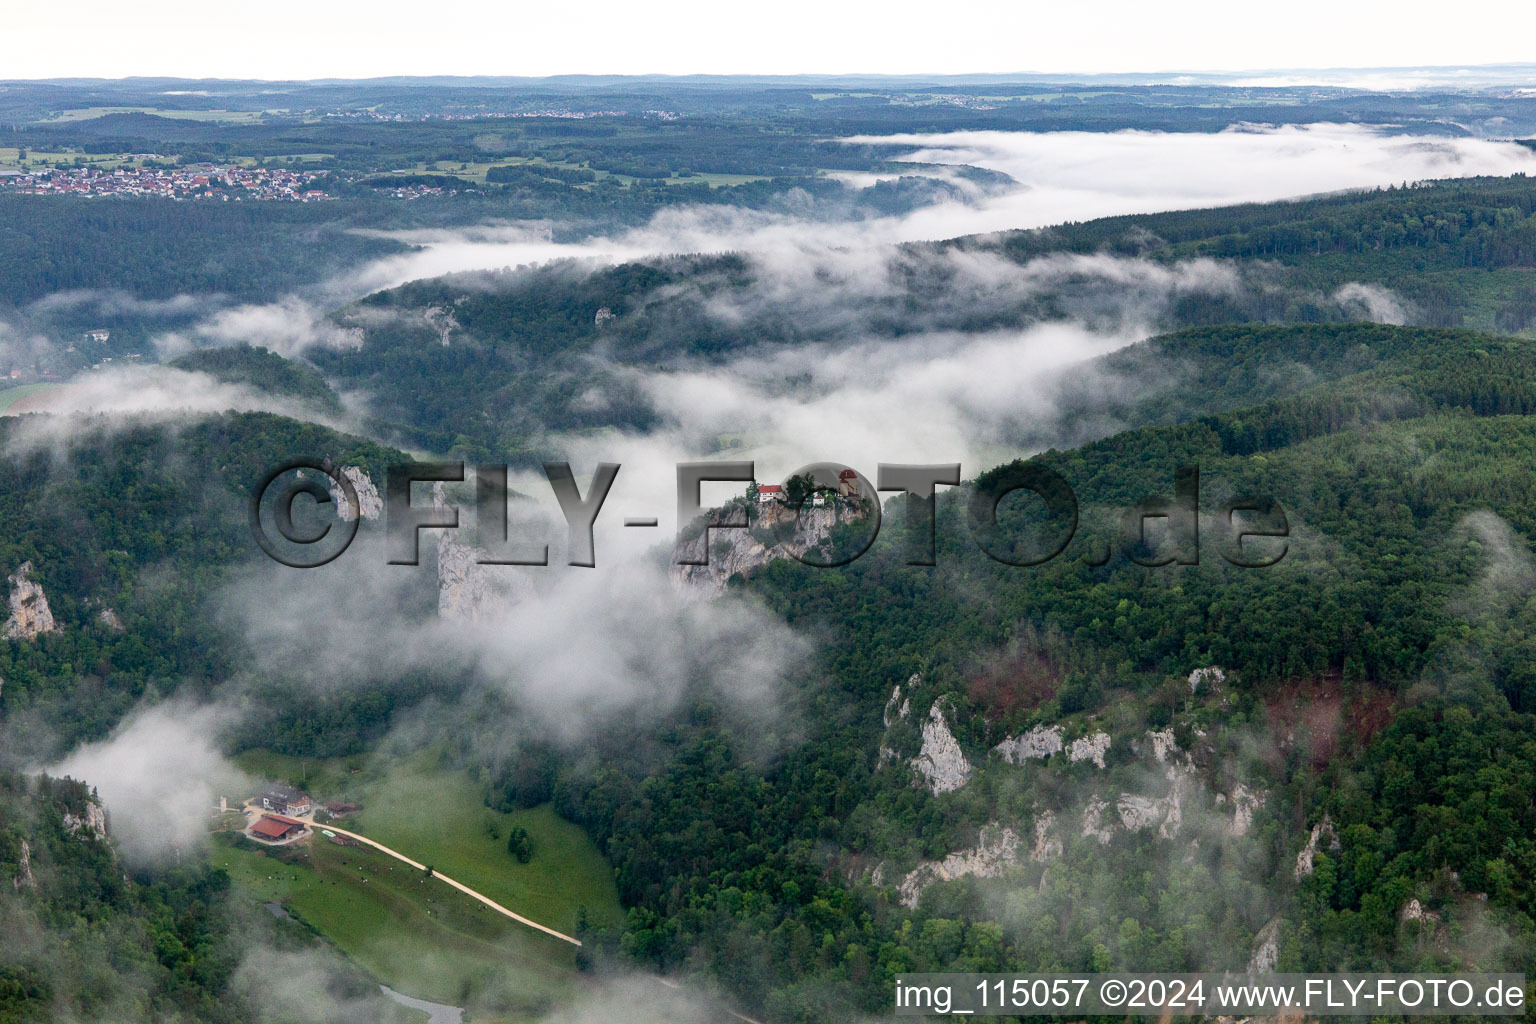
x=84, y=941
x=130, y=532
x=89, y=939
x=1440, y=244
x=1369, y=711
x=264, y=371
x=522, y=347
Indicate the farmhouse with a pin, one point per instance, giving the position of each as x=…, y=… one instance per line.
x=768, y=492
x=285, y=800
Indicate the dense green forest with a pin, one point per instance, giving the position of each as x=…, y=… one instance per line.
x=1393, y=610
x=1386, y=612
x=1329, y=757
x=84, y=942
x=529, y=342
x=147, y=522
x=264, y=371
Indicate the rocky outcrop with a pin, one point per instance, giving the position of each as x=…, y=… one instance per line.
x=93, y=823
x=110, y=619
x=1164, y=747
x=1047, y=844
x=1323, y=836
x=1206, y=679
x=1094, y=824
x=441, y=320
x=471, y=591
x=744, y=550
x=1038, y=743
x=1244, y=803
x=30, y=615
x=1266, y=948
x=24, y=878
x=1142, y=812
x=1089, y=748
x=940, y=763
x=996, y=850
x=369, y=504
x=897, y=708
x=1413, y=912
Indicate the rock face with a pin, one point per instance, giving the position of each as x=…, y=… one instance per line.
x=1206, y=678
x=1244, y=803
x=1413, y=911
x=746, y=549
x=470, y=591
x=941, y=763
x=369, y=503
x=1040, y=742
x=1266, y=949
x=1047, y=844
x=109, y=618
x=1164, y=747
x=93, y=823
x=996, y=850
x=1166, y=812
x=24, y=879
x=897, y=708
x=1094, y=825
x=441, y=320
x=1322, y=835
x=30, y=614
x=1090, y=748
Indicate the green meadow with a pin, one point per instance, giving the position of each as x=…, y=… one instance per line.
x=414, y=933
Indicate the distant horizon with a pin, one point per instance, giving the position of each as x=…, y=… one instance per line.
x=1483, y=75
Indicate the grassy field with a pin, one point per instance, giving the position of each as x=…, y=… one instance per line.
x=439, y=818
x=10, y=396
x=415, y=934
x=328, y=779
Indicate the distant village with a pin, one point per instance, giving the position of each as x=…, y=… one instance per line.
x=208, y=182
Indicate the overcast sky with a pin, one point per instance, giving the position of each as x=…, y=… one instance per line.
x=114, y=38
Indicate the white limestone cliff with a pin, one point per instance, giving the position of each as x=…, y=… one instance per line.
x=369, y=504
x=996, y=850
x=93, y=822
x=471, y=591
x=1322, y=836
x=1040, y=742
x=30, y=615
x=1266, y=948
x=941, y=763
x=1089, y=748
x=742, y=550
x=24, y=878
x=1047, y=844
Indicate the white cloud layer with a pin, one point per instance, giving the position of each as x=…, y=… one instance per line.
x=160, y=776
x=1063, y=176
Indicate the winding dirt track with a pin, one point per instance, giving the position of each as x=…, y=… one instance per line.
x=466, y=890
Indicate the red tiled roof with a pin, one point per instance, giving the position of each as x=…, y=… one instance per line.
x=274, y=828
